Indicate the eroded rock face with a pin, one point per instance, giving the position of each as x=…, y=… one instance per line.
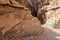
x=23, y=2
x=16, y=3
x=16, y=24
x=35, y=7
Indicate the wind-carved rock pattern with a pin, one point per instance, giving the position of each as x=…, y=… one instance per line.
x=18, y=24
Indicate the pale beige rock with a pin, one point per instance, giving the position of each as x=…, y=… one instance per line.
x=57, y=25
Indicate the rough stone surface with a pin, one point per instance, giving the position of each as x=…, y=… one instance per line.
x=16, y=24
x=19, y=24
x=52, y=30
x=57, y=25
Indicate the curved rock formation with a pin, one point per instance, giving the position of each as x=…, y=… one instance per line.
x=17, y=24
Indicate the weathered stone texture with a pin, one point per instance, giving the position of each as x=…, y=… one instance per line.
x=16, y=24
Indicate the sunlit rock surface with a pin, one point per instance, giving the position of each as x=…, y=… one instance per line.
x=57, y=25
x=19, y=24
x=52, y=26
